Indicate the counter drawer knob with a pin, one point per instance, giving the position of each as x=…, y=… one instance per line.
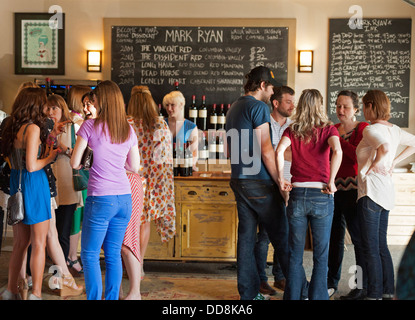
x=192, y=193
x=223, y=193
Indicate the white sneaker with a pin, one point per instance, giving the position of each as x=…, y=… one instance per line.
x=331, y=292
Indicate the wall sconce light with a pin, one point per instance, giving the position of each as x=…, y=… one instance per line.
x=94, y=60
x=305, y=61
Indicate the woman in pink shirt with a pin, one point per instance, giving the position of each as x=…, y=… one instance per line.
x=311, y=137
x=108, y=205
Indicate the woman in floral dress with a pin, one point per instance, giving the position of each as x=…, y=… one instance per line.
x=154, y=143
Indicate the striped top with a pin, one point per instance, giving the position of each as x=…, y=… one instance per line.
x=346, y=178
x=276, y=134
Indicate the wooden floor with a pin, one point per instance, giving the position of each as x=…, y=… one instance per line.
x=186, y=281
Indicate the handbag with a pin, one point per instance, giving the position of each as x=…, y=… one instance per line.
x=81, y=176
x=15, y=205
x=87, y=158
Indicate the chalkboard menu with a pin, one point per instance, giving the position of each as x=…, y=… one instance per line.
x=210, y=61
x=377, y=56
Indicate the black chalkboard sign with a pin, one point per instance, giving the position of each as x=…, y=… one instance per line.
x=376, y=56
x=210, y=61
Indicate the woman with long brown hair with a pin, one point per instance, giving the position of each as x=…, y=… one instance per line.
x=22, y=143
x=108, y=205
x=66, y=199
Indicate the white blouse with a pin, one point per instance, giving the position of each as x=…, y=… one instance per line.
x=377, y=187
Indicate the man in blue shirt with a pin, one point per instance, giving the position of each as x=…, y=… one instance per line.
x=254, y=179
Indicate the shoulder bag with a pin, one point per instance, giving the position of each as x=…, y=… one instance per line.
x=15, y=205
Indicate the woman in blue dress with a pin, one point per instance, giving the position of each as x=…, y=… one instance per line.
x=183, y=130
x=22, y=141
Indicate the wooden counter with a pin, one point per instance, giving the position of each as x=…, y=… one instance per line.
x=401, y=222
x=206, y=175
x=206, y=221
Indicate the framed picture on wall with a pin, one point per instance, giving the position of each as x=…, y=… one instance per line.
x=39, y=43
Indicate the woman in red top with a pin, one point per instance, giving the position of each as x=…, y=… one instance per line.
x=311, y=137
x=345, y=199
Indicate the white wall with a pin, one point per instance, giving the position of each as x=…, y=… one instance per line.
x=84, y=30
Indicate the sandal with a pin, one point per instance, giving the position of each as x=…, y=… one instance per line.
x=23, y=288
x=69, y=287
x=75, y=273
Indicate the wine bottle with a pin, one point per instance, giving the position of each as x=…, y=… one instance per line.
x=193, y=110
x=213, y=118
x=220, y=147
x=160, y=111
x=175, y=161
x=183, y=166
x=48, y=87
x=189, y=160
x=212, y=145
x=203, y=115
x=203, y=148
x=221, y=118
x=65, y=96
x=176, y=86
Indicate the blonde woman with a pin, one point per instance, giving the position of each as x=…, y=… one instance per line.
x=311, y=137
x=183, y=130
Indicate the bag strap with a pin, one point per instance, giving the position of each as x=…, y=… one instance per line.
x=73, y=138
x=24, y=146
x=20, y=181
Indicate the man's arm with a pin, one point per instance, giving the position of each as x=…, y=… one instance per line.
x=267, y=151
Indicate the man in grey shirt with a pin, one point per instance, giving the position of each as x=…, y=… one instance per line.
x=282, y=102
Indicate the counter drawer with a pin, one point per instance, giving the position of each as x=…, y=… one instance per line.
x=205, y=194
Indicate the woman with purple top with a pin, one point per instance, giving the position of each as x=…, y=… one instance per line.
x=108, y=205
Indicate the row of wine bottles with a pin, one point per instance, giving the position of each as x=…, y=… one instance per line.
x=182, y=160
x=212, y=147
x=199, y=116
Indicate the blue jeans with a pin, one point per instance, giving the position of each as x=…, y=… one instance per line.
x=308, y=205
x=261, y=255
x=104, y=224
x=345, y=213
x=374, y=227
x=258, y=201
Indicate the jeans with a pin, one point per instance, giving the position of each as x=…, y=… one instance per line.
x=258, y=201
x=374, y=226
x=261, y=254
x=308, y=205
x=345, y=213
x=104, y=224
